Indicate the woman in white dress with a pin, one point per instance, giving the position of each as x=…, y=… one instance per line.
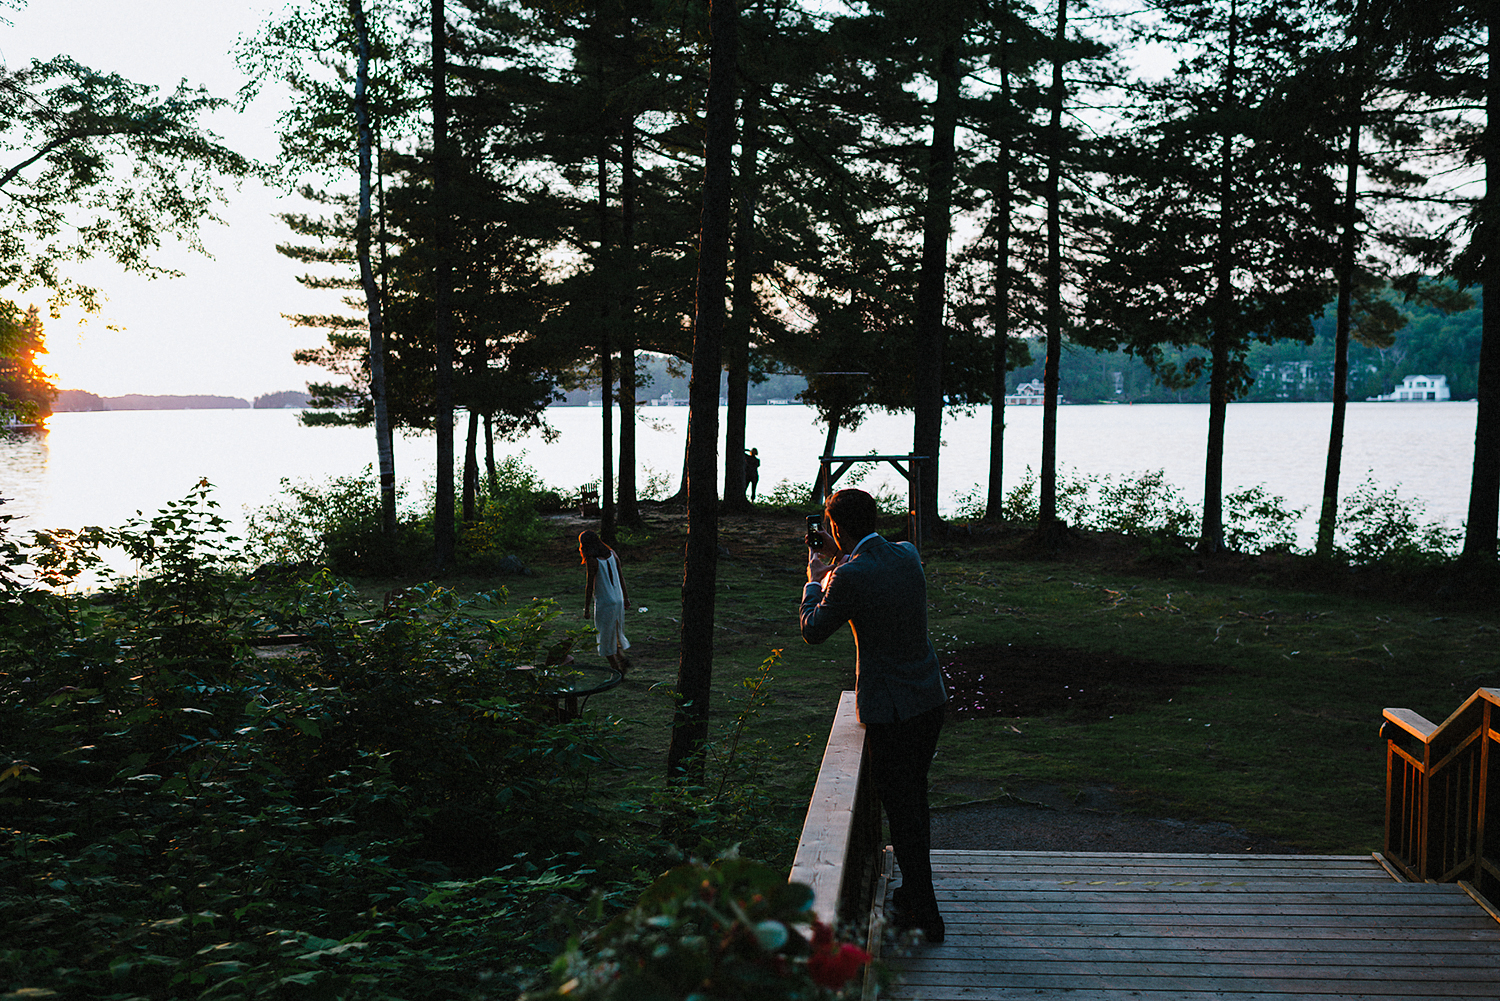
x=606, y=596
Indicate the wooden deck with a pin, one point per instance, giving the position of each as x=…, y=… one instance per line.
x=1109, y=927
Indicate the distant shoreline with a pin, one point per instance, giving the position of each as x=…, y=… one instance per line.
x=73, y=401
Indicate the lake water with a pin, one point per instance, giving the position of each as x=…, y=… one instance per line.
x=100, y=468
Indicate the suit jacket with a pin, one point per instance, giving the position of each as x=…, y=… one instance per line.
x=882, y=593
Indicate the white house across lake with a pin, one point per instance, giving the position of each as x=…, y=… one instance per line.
x=1416, y=388
x=1027, y=394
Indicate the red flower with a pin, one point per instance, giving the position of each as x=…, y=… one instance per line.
x=833, y=966
x=822, y=936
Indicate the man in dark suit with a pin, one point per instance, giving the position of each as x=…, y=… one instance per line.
x=878, y=587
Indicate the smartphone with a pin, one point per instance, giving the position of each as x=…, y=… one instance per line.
x=814, y=533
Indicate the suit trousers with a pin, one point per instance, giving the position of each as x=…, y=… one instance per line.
x=900, y=756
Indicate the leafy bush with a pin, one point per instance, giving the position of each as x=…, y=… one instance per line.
x=656, y=485
x=1145, y=505
x=787, y=495
x=337, y=524
x=732, y=811
x=389, y=812
x=1142, y=505
x=971, y=504
x=1023, y=501
x=1258, y=522
x=1378, y=526
x=733, y=930
x=508, y=519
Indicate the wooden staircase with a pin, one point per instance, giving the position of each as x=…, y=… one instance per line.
x=1175, y=927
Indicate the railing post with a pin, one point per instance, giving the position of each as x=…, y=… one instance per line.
x=1480, y=876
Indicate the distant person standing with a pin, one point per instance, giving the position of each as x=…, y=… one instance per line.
x=878, y=587
x=752, y=471
x=606, y=597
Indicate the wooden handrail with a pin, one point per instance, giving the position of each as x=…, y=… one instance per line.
x=838, y=854
x=1441, y=780
x=1417, y=725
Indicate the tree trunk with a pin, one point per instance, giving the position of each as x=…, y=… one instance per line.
x=1484, y=487
x=443, y=529
x=1047, y=521
x=384, y=445
x=629, y=512
x=606, y=353
x=478, y=366
x=695, y=664
x=1000, y=307
x=1328, y=519
x=489, y=450
x=737, y=346
x=927, y=410
x=1211, y=539
x=471, y=469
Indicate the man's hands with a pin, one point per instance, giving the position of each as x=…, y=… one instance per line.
x=818, y=568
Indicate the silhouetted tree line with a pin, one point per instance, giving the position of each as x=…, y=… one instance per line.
x=923, y=195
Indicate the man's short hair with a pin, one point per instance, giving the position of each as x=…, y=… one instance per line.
x=854, y=510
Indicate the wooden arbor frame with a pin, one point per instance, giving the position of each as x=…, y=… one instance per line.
x=1442, y=795
x=911, y=471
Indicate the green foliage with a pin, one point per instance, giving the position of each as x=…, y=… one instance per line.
x=1431, y=340
x=735, y=929
x=335, y=524
x=1381, y=527
x=113, y=169
x=508, y=519
x=1023, y=501
x=657, y=485
x=786, y=495
x=969, y=505
x=1255, y=521
x=26, y=391
x=737, y=810
x=387, y=811
x=1147, y=506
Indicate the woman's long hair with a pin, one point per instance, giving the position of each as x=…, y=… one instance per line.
x=589, y=544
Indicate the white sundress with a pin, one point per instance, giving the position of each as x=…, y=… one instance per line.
x=609, y=607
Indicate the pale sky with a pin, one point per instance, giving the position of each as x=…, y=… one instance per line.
x=218, y=329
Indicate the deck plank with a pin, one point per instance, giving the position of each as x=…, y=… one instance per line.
x=1105, y=927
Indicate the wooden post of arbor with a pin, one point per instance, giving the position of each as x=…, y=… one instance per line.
x=911, y=471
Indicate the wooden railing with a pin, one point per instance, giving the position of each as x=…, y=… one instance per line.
x=840, y=852
x=1442, y=795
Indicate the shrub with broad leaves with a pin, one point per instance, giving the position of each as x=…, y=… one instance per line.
x=732, y=930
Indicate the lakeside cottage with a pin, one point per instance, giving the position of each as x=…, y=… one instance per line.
x=1416, y=388
x=1027, y=394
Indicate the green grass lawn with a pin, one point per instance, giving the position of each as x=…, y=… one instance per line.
x=1235, y=691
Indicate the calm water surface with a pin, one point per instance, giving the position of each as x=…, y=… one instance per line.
x=100, y=468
